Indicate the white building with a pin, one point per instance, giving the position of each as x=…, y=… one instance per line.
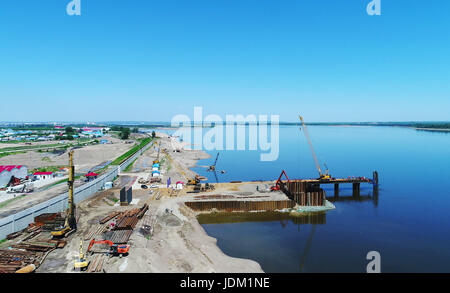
x=43, y=175
x=179, y=185
x=7, y=172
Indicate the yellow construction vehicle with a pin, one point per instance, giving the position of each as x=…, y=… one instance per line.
x=212, y=168
x=322, y=176
x=194, y=181
x=82, y=262
x=70, y=225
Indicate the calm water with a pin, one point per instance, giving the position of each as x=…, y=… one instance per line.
x=409, y=225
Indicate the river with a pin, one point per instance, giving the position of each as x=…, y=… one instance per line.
x=408, y=224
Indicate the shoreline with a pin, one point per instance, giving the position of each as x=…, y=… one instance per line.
x=432, y=129
x=195, y=222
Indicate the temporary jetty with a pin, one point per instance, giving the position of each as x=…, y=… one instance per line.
x=307, y=192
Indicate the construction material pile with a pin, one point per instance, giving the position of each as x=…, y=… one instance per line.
x=29, y=250
x=118, y=236
x=148, y=223
x=49, y=221
x=213, y=196
x=142, y=211
x=41, y=245
x=27, y=253
x=125, y=222
x=129, y=219
x=96, y=230
x=109, y=217
x=13, y=260
x=96, y=266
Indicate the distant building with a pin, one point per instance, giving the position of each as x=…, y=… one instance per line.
x=43, y=175
x=7, y=172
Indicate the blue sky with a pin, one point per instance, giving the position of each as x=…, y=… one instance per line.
x=149, y=60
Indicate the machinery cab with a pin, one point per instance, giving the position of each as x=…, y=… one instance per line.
x=120, y=249
x=114, y=249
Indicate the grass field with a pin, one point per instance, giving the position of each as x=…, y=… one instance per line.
x=130, y=167
x=29, y=147
x=10, y=154
x=132, y=151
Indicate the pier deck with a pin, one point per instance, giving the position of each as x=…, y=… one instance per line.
x=307, y=192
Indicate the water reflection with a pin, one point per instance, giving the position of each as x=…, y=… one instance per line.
x=282, y=217
x=349, y=196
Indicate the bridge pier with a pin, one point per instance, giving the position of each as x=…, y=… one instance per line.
x=375, y=184
x=356, y=189
x=336, y=189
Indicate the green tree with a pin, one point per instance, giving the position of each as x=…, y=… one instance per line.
x=153, y=134
x=125, y=133
x=69, y=130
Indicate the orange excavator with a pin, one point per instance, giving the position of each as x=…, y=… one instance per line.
x=277, y=185
x=114, y=249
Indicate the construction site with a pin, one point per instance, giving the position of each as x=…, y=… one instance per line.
x=146, y=220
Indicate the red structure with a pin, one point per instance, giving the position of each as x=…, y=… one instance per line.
x=91, y=176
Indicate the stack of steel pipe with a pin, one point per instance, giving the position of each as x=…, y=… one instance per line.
x=109, y=217
x=118, y=236
x=33, y=234
x=126, y=223
x=129, y=219
x=36, y=246
x=96, y=265
x=14, y=235
x=213, y=196
x=13, y=260
x=142, y=211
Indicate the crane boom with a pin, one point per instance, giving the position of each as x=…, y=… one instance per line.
x=71, y=215
x=215, y=162
x=311, y=146
x=70, y=224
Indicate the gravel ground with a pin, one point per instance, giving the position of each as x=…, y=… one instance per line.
x=84, y=158
x=179, y=244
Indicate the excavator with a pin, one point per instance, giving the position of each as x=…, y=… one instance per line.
x=82, y=263
x=277, y=185
x=322, y=176
x=114, y=249
x=70, y=224
x=194, y=181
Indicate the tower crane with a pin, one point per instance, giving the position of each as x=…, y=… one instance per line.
x=213, y=167
x=322, y=176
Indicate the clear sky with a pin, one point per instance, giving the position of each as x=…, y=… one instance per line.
x=149, y=60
